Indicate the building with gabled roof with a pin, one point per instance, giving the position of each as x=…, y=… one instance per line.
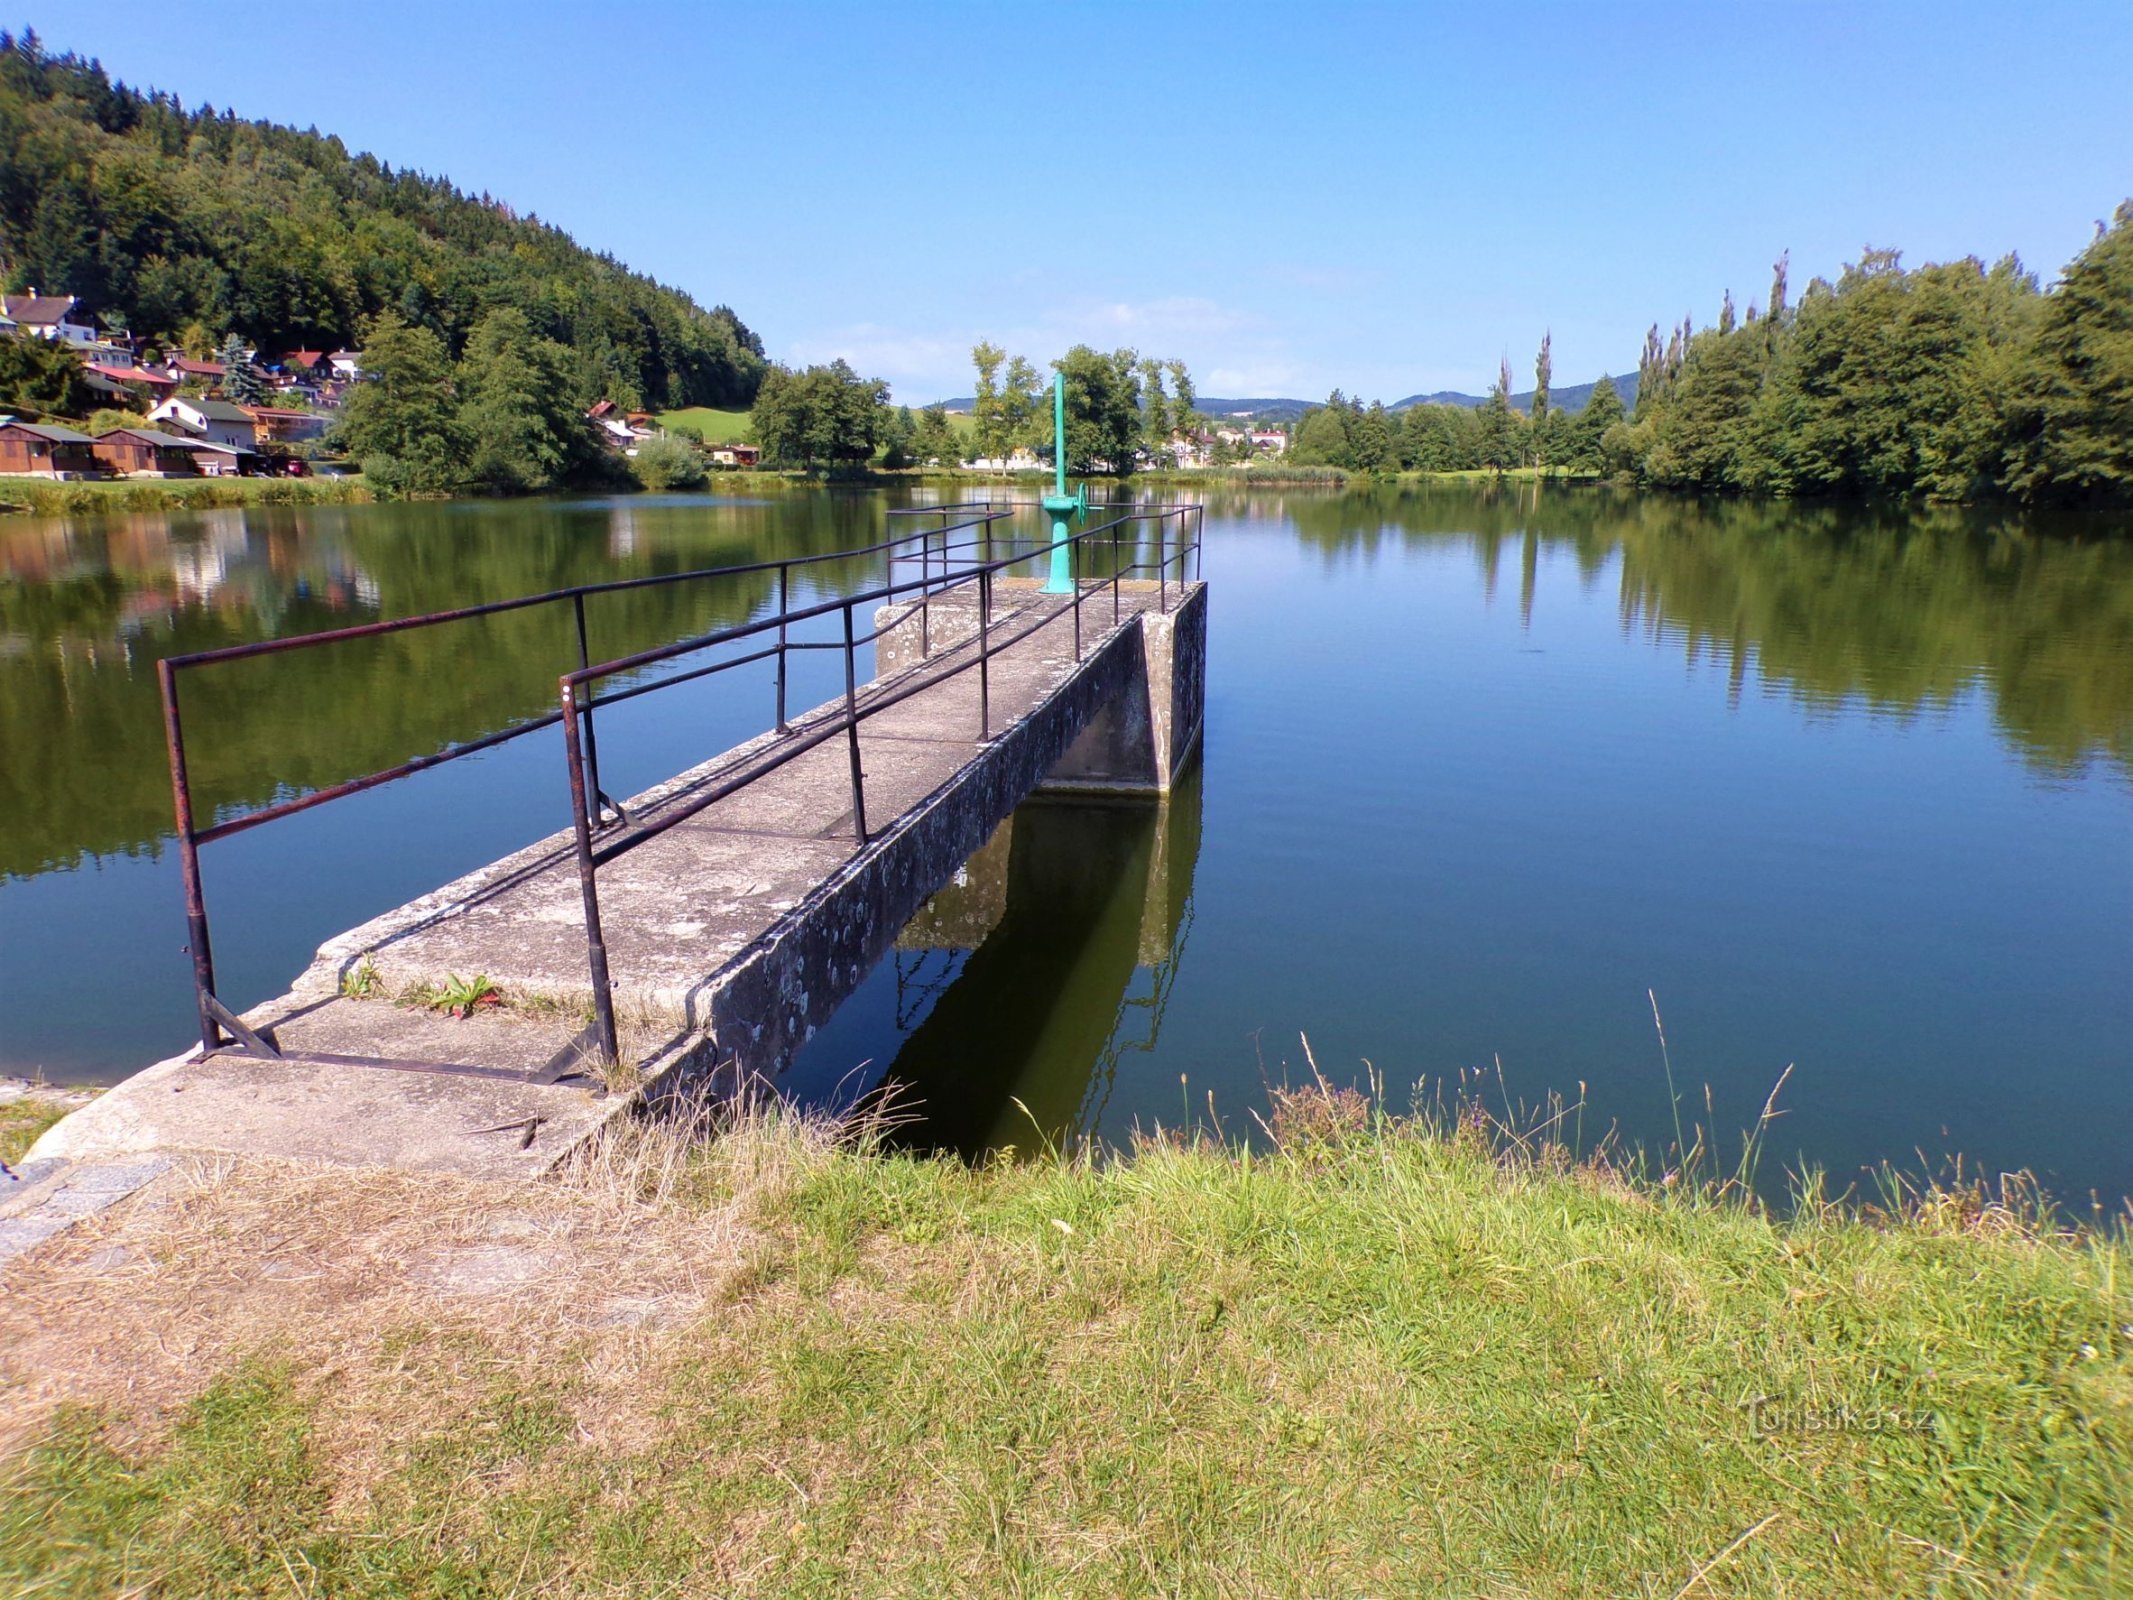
x=48, y=316
x=218, y=421
x=44, y=450
x=146, y=453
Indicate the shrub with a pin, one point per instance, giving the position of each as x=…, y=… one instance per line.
x=666, y=462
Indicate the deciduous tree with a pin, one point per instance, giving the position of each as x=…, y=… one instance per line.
x=402, y=421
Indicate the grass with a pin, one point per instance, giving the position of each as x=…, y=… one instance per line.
x=44, y=498
x=717, y=426
x=1374, y=1356
x=21, y=1121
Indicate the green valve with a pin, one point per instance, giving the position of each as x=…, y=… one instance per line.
x=1060, y=505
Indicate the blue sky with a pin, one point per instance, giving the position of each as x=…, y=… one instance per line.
x=1289, y=198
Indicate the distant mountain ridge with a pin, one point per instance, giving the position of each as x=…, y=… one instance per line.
x=1570, y=398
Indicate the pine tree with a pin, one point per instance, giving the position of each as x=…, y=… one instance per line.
x=241, y=381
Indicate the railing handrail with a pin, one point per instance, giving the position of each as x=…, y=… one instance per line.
x=934, y=543
x=370, y=630
x=823, y=608
x=575, y=700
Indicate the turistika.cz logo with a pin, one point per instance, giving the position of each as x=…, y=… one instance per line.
x=1769, y=1415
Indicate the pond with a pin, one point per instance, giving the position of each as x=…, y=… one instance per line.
x=1486, y=772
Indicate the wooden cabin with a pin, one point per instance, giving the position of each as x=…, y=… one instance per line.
x=44, y=451
x=145, y=453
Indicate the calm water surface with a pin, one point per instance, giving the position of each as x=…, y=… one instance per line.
x=1850, y=791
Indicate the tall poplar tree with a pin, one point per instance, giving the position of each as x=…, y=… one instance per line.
x=1543, y=369
x=986, y=409
x=1499, y=426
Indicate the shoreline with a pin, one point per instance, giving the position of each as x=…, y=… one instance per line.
x=39, y=497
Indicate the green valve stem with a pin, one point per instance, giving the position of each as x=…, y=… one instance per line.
x=1060, y=505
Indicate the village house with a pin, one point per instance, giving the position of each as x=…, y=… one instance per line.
x=735, y=455
x=212, y=460
x=40, y=450
x=305, y=375
x=186, y=370
x=217, y=421
x=145, y=453
x=276, y=425
x=1273, y=441
x=127, y=382
x=1021, y=460
x=1187, y=450
x=616, y=431
x=347, y=365
x=48, y=316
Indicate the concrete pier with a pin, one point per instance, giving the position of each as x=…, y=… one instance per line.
x=731, y=937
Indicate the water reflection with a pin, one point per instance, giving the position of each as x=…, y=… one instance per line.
x=88, y=605
x=1847, y=786
x=1900, y=609
x=1016, y=995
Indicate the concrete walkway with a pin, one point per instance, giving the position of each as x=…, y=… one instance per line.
x=731, y=937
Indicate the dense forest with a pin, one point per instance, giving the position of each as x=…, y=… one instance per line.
x=184, y=225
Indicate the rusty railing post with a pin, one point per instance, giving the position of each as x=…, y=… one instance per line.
x=592, y=742
x=1077, y=596
x=181, y=794
x=851, y=728
x=1162, y=561
x=1114, y=574
x=984, y=651
x=784, y=606
x=588, y=888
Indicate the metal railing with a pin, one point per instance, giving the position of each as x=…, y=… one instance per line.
x=1177, y=545
x=594, y=812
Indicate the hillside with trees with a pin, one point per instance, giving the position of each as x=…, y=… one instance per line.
x=188, y=225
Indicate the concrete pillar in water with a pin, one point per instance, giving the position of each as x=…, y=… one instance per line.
x=1139, y=742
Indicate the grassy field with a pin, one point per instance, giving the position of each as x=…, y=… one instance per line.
x=716, y=426
x=44, y=498
x=1383, y=1358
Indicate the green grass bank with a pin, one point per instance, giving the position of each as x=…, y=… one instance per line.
x=1386, y=1357
x=23, y=1119
x=42, y=497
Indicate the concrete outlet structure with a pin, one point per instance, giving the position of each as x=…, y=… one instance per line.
x=733, y=935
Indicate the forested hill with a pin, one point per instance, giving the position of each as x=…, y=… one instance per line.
x=185, y=224
x=1570, y=397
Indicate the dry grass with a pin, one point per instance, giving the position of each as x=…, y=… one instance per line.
x=340, y=1274
x=758, y=1355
